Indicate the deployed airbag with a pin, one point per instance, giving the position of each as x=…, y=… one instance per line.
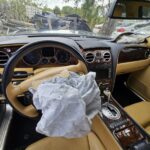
x=67, y=104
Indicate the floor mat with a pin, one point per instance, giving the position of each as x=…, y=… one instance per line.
x=21, y=133
x=122, y=94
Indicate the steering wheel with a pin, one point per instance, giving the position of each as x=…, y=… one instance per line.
x=12, y=91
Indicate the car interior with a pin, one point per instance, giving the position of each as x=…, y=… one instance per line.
x=122, y=74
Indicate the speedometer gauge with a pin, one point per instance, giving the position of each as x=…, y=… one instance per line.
x=32, y=58
x=63, y=56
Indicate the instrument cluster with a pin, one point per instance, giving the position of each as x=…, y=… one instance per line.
x=49, y=55
x=39, y=57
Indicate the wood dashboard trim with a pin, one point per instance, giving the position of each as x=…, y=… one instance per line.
x=128, y=67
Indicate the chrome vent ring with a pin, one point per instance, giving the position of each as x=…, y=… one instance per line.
x=107, y=57
x=90, y=57
x=147, y=54
x=4, y=57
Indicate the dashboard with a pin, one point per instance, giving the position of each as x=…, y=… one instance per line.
x=99, y=60
x=44, y=57
x=103, y=57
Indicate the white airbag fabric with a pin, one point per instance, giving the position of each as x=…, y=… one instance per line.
x=67, y=105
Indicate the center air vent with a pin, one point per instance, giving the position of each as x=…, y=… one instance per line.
x=106, y=57
x=147, y=54
x=3, y=58
x=90, y=57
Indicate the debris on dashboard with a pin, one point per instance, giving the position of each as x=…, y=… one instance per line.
x=67, y=103
x=132, y=38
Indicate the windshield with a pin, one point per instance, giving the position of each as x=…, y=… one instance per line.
x=76, y=17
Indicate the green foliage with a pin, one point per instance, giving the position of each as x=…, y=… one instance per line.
x=16, y=8
x=57, y=10
x=47, y=9
x=66, y=10
x=90, y=10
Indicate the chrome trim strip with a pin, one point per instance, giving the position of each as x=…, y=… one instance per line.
x=5, y=125
x=134, y=92
x=137, y=94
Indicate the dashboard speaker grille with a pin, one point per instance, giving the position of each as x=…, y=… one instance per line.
x=3, y=58
x=90, y=57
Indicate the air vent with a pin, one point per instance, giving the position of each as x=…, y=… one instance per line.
x=106, y=57
x=147, y=54
x=90, y=57
x=3, y=58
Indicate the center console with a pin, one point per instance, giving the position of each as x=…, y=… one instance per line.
x=124, y=129
x=100, y=61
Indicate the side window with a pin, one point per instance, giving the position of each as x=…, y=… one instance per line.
x=144, y=12
x=120, y=10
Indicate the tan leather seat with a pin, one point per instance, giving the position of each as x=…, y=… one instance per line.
x=89, y=142
x=99, y=138
x=141, y=114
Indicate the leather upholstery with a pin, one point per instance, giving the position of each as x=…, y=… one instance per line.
x=141, y=114
x=90, y=142
x=100, y=138
x=139, y=82
x=148, y=129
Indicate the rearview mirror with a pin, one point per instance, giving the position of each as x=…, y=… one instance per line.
x=130, y=9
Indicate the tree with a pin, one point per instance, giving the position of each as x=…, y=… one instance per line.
x=67, y=10
x=46, y=9
x=16, y=9
x=93, y=11
x=57, y=10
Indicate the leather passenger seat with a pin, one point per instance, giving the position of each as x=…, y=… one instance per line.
x=140, y=112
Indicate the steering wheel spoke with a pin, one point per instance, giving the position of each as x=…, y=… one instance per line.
x=47, y=74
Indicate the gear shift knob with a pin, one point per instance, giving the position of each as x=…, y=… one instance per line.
x=108, y=94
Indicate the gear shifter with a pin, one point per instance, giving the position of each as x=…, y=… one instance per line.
x=107, y=94
x=108, y=109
